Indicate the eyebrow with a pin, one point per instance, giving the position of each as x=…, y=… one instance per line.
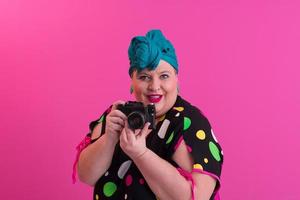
x=141, y=73
x=165, y=71
x=147, y=73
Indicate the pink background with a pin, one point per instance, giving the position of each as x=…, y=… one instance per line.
x=64, y=61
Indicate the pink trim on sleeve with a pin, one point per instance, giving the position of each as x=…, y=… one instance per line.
x=217, y=196
x=82, y=145
x=189, y=149
x=188, y=176
x=178, y=143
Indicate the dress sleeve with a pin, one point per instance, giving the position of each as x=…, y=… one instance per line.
x=202, y=144
x=93, y=124
x=87, y=140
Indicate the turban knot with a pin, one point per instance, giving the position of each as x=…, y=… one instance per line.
x=147, y=51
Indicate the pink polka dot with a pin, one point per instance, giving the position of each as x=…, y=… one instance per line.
x=142, y=181
x=128, y=180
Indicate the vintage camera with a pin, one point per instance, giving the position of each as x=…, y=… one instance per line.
x=138, y=114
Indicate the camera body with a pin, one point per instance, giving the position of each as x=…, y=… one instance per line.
x=138, y=114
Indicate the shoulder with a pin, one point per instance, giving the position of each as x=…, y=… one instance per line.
x=191, y=113
x=96, y=126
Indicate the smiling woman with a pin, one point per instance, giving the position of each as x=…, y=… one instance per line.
x=178, y=159
x=158, y=86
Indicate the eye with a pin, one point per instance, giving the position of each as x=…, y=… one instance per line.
x=144, y=77
x=164, y=76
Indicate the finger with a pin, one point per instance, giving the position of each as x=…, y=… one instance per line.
x=137, y=131
x=123, y=136
x=118, y=113
x=116, y=103
x=117, y=128
x=130, y=134
x=117, y=120
x=145, y=131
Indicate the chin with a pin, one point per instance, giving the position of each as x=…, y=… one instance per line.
x=159, y=112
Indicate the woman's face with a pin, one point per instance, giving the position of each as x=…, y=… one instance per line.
x=157, y=86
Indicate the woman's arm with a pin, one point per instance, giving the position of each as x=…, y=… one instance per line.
x=204, y=184
x=90, y=167
x=167, y=183
x=95, y=160
x=163, y=178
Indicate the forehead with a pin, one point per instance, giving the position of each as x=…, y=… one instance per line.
x=163, y=66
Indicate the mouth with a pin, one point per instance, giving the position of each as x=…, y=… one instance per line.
x=155, y=98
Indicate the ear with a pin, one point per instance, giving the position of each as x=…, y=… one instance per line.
x=131, y=89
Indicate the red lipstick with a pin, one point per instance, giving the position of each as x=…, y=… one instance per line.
x=154, y=98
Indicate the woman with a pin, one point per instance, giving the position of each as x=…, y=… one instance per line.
x=179, y=159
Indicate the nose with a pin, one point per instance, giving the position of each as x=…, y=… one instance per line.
x=154, y=85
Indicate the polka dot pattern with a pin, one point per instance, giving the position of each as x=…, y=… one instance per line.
x=109, y=189
x=200, y=135
x=170, y=138
x=162, y=118
x=214, y=151
x=179, y=108
x=205, y=160
x=124, y=168
x=128, y=180
x=163, y=129
x=142, y=181
x=198, y=166
x=183, y=123
x=186, y=123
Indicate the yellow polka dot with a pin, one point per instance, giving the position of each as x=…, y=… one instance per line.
x=198, y=166
x=161, y=118
x=200, y=135
x=205, y=160
x=97, y=197
x=179, y=108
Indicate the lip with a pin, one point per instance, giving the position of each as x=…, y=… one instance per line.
x=154, y=98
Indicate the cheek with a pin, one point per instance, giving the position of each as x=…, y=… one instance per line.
x=137, y=91
x=172, y=87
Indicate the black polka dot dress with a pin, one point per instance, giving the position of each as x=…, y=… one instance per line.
x=183, y=122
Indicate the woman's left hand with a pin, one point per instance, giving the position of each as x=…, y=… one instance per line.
x=133, y=142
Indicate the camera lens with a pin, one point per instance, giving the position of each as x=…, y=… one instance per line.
x=136, y=120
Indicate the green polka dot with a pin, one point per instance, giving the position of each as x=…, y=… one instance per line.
x=214, y=151
x=109, y=189
x=186, y=123
x=170, y=138
x=101, y=119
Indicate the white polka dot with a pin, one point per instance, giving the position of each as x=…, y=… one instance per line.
x=125, y=196
x=124, y=168
x=212, y=132
x=177, y=115
x=106, y=174
x=163, y=129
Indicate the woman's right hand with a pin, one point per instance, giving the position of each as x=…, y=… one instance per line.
x=115, y=122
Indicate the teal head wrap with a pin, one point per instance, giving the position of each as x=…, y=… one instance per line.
x=147, y=51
